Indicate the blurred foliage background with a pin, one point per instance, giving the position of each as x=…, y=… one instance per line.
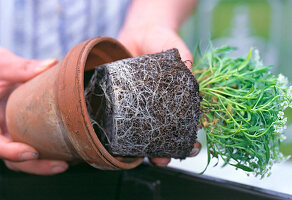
x=263, y=24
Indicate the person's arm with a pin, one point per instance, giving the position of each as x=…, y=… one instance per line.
x=151, y=26
x=18, y=156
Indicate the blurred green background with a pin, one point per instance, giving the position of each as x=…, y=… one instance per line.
x=263, y=24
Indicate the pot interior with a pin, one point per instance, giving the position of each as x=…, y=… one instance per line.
x=105, y=51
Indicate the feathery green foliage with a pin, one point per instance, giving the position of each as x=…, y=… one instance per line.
x=243, y=109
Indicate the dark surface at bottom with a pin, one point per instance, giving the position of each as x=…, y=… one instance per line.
x=145, y=182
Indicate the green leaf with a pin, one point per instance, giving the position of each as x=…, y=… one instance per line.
x=243, y=167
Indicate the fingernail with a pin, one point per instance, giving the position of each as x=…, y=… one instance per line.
x=58, y=169
x=194, y=152
x=29, y=156
x=46, y=63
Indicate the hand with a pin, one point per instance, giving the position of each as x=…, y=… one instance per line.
x=150, y=39
x=18, y=156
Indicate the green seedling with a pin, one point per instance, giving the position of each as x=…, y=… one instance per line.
x=243, y=109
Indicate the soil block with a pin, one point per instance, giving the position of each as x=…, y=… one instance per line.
x=145, y=106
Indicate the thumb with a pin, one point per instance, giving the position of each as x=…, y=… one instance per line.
x=22, y=70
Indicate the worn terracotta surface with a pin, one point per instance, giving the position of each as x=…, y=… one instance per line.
x=49, y=111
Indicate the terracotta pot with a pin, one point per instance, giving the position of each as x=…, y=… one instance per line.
x=49, y=111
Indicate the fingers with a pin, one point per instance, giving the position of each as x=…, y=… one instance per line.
x=38, y=167
x=22, y=157
x=14, y=151
x=17, y=69
x=197, y=148
x=163, y=162
x=160, y=162
x=23, y=70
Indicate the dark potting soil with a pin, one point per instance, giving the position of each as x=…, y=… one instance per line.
x=145, y=106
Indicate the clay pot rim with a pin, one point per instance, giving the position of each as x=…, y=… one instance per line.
x=117, y=162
